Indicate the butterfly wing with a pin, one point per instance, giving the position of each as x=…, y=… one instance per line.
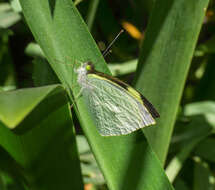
x=114, y=110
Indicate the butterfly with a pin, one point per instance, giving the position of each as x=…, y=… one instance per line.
x=117, y=108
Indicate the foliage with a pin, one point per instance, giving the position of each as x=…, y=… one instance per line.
x=43, y=145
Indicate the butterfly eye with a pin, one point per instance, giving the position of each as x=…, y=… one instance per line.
x=88, y=67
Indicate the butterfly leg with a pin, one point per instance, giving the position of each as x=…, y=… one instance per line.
x=77, y=96
x=90, y=87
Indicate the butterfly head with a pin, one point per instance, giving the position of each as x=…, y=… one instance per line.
x=82, y=72
x=89, y=66
x=85, y=68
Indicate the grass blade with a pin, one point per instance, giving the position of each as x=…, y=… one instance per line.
x=164, y=62
x=92, y=13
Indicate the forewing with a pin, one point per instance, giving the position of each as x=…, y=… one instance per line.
x=115, y=112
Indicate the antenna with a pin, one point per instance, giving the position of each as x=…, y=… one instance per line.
x=106, y=51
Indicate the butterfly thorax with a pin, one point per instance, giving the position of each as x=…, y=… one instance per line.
x=82, y=72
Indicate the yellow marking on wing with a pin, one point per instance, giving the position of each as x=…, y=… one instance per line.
x=99, y=77
x=134, y=93
x=137, y=96
x=130, y=90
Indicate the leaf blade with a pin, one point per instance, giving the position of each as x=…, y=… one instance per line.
x=164, y=62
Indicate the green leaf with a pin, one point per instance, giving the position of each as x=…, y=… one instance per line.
x=7, y=77
x=12, y=112
x=202, y=176
x=193, y=133
x=123, y=68
x=7, y=16
x=126, y=161
x=205, y=150
x=206, y=108
x=164, y=62
x=89, y=166
x=198, y=128
x=92, y=13
x=180, y=185
x=116, y=69
x=42, y=152
x=43, y=73
x=34, y=50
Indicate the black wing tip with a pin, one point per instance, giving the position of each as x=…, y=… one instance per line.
x=155, y=114
x=150, y=107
